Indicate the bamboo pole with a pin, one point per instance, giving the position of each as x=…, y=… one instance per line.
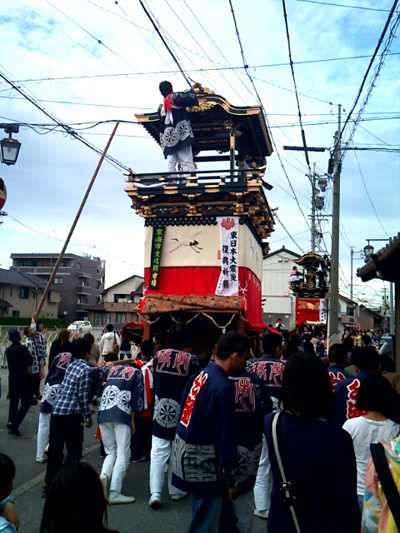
x=71, y=231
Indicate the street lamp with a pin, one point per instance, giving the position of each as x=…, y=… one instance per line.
x=368, y=251
x=9, y=147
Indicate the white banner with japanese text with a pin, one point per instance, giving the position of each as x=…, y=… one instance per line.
x=228, y=283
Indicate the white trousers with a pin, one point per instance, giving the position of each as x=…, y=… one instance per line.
x=42, y=435
x=116, y=438
x=262, y=488
x=161, y=451
x=244, y=510
x=185, y=159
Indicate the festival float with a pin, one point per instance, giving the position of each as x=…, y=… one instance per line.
x=311, y=290
x=206, y=232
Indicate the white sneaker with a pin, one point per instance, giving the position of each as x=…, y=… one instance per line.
x=104, y=482
x=116, y=498
x=178, y=497
x=155, y=500
x=262, y=514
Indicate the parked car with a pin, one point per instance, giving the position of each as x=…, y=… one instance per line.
x=80, y=326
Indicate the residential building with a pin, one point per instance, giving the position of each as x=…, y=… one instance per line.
x=278, y=300
x=79, y=277
x=119, y=303
x=20, y=294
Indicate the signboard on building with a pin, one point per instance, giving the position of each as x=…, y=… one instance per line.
x=228, y=282
x=156, y=247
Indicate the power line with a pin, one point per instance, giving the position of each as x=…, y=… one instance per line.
x=139, y=29
x=303, y=135
x=89, y=246
x=66, y=128
x=375, y=136
x=63, y=33
x=153, y=21
x=386, y=49
x=217, y=47
x=294, y=235
x=202, y=49
x=369, y=196
x=194, y=71
x=289, y=235
x=99, y=41
x=343, y=5
x=265, y=114
x=130, y=21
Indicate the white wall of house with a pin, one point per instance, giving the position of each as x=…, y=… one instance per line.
x=122, y=290
x=278, y=300
x=23, y=302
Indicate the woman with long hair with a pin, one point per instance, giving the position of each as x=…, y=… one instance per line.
x=317, y=457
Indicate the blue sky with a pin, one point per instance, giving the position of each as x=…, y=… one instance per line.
x=47, y=184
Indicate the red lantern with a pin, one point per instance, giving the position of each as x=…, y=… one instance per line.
x=3, y=193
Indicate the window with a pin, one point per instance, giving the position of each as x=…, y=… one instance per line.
x=121, y=317
x=78, y=266
x=15, y=314
x=108, y=317
x=11, y=291
x=24, y=293
x=120, y=298
x=58, y=281
x=65, y=263
x=98, y=319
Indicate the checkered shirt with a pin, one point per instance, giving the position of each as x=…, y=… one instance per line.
x=74, y=396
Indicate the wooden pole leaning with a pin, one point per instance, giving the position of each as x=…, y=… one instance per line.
x=71, y=231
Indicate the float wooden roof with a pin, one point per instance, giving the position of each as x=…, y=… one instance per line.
x=213, y=119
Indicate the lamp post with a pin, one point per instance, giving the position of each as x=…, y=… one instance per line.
x=369, y=250
x=9, y=147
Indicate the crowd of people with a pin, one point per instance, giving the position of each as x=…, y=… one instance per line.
x=284, y=436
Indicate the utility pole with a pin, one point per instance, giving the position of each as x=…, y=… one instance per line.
x=351, y=273
x=384, y=308
x=391, y=330
x=312, y=177
x=333, y=317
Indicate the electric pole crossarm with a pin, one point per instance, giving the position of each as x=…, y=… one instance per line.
x=302, y=149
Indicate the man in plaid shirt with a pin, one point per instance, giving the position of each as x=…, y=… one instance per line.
x=38, y=354
x=70, y=411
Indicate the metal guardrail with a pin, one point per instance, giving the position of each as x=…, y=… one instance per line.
x=50, y=335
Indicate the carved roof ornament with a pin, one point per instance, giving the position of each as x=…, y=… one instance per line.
x=204, y=105
x=213, y=118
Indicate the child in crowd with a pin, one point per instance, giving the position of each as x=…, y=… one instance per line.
x=76, y=502
x=9, y=521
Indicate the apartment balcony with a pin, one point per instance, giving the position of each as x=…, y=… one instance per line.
x=85, y=291
x=84, y=275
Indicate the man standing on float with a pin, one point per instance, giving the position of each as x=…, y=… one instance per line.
x=176, y=135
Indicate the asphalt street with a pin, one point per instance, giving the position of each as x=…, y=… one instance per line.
x=173, y=517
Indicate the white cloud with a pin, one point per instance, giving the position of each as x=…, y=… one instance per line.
x=47, y=184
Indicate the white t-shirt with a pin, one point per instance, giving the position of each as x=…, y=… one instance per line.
x=365, y=432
